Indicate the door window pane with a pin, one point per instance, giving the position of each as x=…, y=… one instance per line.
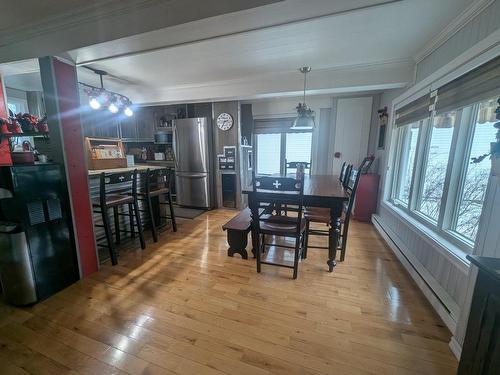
x=268, y=153
x=436, y=164
x=298, y=147
x=476, y=175
x=406, y=161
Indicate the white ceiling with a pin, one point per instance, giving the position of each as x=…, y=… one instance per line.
x=351, y=45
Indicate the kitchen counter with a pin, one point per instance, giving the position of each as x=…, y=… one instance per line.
x=139, y=167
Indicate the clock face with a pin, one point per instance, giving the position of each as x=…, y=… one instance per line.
x=224, y=121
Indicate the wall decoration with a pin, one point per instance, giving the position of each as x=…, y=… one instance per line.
x=383, y=117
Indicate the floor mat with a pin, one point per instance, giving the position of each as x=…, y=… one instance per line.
x=187, y=213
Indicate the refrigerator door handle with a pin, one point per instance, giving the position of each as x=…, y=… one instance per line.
x=175, y=143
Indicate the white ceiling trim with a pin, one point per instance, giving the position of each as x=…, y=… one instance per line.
x=452, y=28
x=376, y=77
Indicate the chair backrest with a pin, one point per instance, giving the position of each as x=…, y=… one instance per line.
x=342, y=172
x=158, y=179
x=347, y=175
x=352, y=187
x=117, y=183
x=293, y=165
x=365, y=165
x=268, y=190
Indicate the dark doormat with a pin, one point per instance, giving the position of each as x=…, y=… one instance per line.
x=187, y=213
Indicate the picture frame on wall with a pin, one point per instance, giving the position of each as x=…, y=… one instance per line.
x=383, y=117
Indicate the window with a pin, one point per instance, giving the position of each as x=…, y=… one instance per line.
x=434, y=179
x=17, y=105
x=429, y=202
x=274, y=148
x=433, y=165
x=471, y=197
x=298, y=147
x=408, y=142
x=268, y=153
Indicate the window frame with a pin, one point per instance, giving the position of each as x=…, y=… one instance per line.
x=456, y=170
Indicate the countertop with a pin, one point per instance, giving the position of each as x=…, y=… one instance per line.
x=489, y=265
x=139, y=167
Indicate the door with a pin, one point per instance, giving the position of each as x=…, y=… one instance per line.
x=352, y=130
x=191, y=145
x=192, y=189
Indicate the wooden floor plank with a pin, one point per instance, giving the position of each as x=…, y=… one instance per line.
x=183, y=307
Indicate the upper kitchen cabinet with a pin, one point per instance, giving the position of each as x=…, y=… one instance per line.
x=128, y=128
x=139, y=127
x=100, y=125
x=145, y=123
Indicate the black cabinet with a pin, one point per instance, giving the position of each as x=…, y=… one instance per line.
x=128, y=129
x=481, y=349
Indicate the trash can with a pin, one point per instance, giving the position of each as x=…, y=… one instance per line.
x=16, y=271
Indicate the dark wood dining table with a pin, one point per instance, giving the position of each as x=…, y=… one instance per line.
x=324, y=191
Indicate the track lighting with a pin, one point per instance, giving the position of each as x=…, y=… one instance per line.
x=99, y=97
x=94, y=103
x=113, y=108
x=128, y=112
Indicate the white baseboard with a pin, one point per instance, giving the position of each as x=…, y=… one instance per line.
x=455, y=347
x=436, y=303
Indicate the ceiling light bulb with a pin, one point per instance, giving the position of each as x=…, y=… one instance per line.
x=94, y=103
x=128, y=112
x=113, y=108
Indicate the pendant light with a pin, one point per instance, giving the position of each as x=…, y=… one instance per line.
x=305, y=115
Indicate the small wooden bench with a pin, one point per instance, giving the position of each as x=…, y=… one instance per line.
x=237, y=233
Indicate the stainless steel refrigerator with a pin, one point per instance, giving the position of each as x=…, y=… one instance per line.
x=192, y=162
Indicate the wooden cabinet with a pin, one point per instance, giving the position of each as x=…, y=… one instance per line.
x=128, y=129
x=145, y=123
x=481, y=349
x=366, y=197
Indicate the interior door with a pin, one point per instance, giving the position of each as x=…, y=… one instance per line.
x=352, y=130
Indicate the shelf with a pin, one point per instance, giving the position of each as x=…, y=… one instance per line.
x=27, y=134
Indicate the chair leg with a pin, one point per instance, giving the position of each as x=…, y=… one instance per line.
x=296, y=258
x=343, y=248
x=306, y=240
x=172, y=215
x=139, y=225
x=263, y=243
x=152, y=218
x=258, y=251
x=117, y=224
x=131, y=219
x=109, y=236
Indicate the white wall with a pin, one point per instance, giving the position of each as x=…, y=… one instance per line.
x=326, y=126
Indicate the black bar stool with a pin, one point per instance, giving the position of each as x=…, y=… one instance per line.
x=158, y=183
x=115, y=190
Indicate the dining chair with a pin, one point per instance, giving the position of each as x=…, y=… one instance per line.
x=157, y=185
x=115, y=191
x=293, y=165
x=272, y=191
x=322, y=216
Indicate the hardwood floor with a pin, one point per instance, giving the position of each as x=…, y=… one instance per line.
x=183, y=307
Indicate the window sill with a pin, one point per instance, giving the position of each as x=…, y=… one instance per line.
x=451, y=251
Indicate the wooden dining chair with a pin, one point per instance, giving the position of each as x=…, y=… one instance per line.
x=322, y=216
x=117, y=190
x=272, y=191
x=156, y=186
x=292, y=165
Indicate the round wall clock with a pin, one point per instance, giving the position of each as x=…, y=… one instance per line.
x=224, y=121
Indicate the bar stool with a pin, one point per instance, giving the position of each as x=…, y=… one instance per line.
x=116, y=190
x=158, y=183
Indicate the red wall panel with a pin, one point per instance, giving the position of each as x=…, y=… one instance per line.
x=5, y=158
x=73, y=146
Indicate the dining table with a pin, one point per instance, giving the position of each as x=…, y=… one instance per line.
x=325, y=191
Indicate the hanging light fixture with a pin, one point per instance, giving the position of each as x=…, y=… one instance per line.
x=305, y=115
x=99, y=97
